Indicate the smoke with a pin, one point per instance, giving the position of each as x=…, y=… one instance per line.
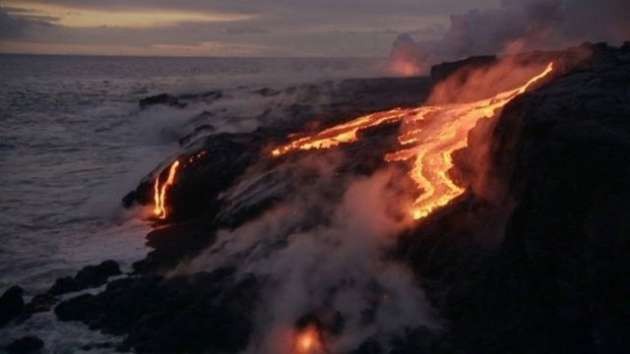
x=517, y=26
x=324, y=256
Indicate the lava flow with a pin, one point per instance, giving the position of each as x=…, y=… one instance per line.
x=429, y=136
x=308, y=341
x=159, y=191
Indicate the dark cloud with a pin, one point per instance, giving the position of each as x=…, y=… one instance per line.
x=18, y=27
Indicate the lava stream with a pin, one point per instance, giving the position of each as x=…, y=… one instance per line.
x=429, y=136
x=159, y=191
x=308, y=341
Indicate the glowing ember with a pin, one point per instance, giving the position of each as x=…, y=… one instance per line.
x=159, y=191
x=429, y=136
x=307, y=341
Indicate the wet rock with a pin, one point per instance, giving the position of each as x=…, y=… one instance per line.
x=129, y=199
x=208, y=312
x=93, y=276
x=204, y=172
x=161, y=99
x=199, y=131
x=64, y=285
x=173, y=243
x=88, y=277
x=267, y=92
x=25, y=345
x=207, y=96
x=98, y=345
x=41, y=303
x=11, y=304
x=79, y=308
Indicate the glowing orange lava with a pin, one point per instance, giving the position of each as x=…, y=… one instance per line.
x=307, y=341
x=429, y=136
x=159, y=191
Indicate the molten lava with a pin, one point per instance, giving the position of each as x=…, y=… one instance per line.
x=307, y=341
x=429, y=136
x=159, y=191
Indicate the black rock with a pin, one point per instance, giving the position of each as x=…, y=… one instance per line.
x=129, y=199
x=98, y=345
x=64, y=285
x=78, y=308
x=207, y=312
x=88, y=277
x=164, y=99
x=199, y=131
x=267, y=92
x=25, y=345
x=11, y=304
x=93, y=276
x=41, y=303
x=207, y=96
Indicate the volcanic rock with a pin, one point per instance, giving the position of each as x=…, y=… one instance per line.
x=11, y=304
x=207, y=96
x=558, y=281
x=555, y=283
x=41, y=303
x=203, y=129
x=25, y=345
x=267, y=92
x=206, y=312
x=88, y=277
x=64, y=285
x=161, y=99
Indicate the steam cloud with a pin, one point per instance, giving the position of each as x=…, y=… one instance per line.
x=516, y=26
x=326, y=257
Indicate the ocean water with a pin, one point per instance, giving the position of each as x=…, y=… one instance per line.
x=73, y=141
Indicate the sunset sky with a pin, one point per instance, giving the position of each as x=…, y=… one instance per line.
x=222, y=27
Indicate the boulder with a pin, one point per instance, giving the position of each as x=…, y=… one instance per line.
x=11, y=304
x=25, y=345
x=41, y=303
x=206, y=312
x=64, y=285
x=80, y=308
x=161, y=99
x=97, y=275
x=89, y=277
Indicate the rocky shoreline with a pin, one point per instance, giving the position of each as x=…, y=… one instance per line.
x=552, y=279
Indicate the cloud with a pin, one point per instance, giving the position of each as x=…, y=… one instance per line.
x=282, y=27
x=18, y=27
x=520, y=25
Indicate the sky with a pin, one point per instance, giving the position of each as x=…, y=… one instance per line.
x=268, y=28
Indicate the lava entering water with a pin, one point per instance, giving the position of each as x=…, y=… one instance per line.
x=308, y=341
x=429, y=136
x=159, y=192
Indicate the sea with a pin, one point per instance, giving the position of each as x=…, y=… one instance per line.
x=74, y=141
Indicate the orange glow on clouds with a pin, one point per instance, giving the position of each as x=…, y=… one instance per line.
x=79, y=17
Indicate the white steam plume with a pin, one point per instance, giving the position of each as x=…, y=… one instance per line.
x=338, y=268
x=517, y=26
